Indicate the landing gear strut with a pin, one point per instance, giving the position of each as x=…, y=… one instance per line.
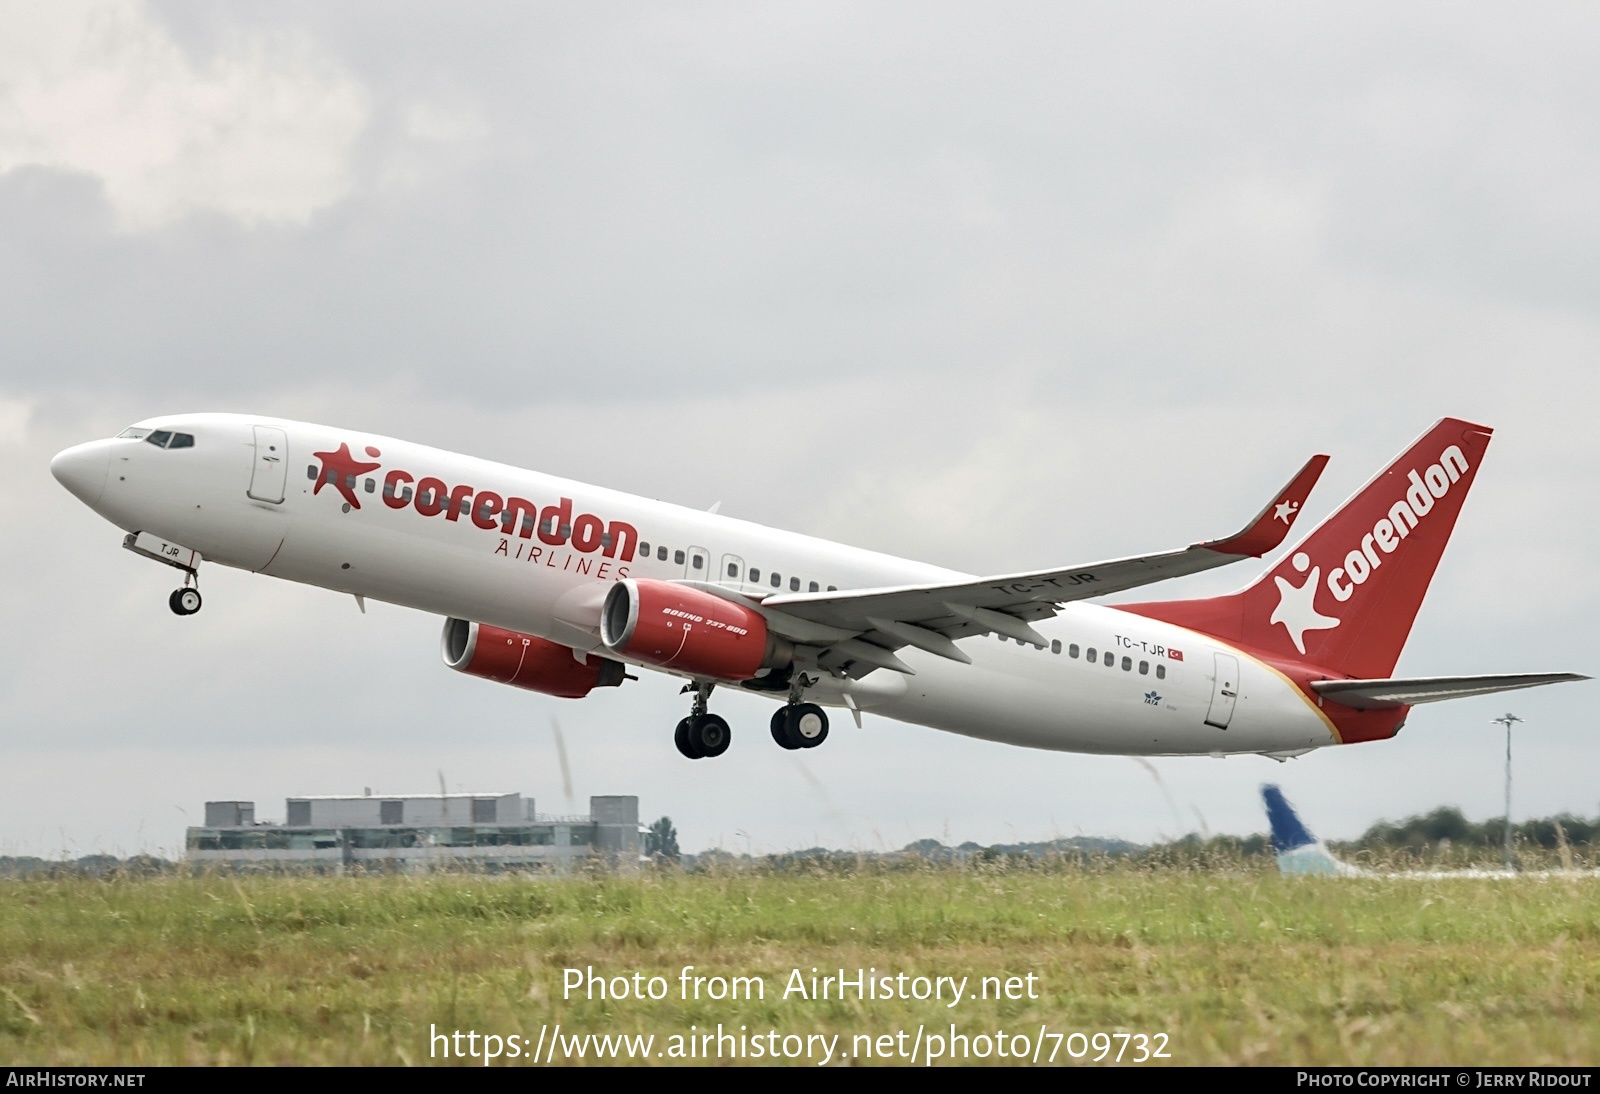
x=702, y=734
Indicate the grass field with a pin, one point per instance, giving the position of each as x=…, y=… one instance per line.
x=1234, y=965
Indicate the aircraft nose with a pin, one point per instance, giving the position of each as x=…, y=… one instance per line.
x=82, y=469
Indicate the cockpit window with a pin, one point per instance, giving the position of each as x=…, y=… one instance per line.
x=135, y=433
x=165, y=438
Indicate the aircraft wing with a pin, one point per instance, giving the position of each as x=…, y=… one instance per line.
x=1388, y=694
x=860, y=629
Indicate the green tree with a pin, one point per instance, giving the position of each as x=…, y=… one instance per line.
x=661, y=840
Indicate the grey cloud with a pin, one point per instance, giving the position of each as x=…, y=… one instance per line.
x=995, y=288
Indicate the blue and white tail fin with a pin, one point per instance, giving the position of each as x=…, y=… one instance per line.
x=1298, y=851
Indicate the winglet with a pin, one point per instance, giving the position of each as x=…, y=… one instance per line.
x=1272, y=524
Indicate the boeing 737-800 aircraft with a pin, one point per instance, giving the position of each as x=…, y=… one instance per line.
x=558, y=587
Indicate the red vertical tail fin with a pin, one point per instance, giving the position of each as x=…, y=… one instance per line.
x=1345, y=597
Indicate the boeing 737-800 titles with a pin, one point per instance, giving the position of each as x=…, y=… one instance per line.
x=559, y=587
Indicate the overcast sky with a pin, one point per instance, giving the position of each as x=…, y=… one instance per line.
x=995, y=286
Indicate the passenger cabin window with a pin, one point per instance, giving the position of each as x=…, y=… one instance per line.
x=813, y=587
x=644, y=549
x=755, y=573
x=1127, y=664
x=1111, y=659
x=677, y=556
x=1144, y=668
x=698, y=562
x=833, y=588
x=1055, y=645
x=777, y=579
x=1092, y=656
x=1161, y=672
x=661, y=554
x=794, y=584
x=733, y=569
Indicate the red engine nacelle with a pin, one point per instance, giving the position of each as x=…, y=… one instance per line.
x=684, y=628
x=525, y=661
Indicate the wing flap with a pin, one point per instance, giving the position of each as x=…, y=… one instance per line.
x=1388, y=694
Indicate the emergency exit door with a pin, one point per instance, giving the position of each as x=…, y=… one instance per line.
x=270, y=472
x=1224, y=691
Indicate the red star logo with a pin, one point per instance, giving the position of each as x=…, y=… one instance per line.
x=343, y=469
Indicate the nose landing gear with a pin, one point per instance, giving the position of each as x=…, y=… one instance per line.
x=184, y=601
x=702, y=734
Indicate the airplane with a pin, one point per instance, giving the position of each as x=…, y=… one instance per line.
x=560, y=587
x=1300, y=854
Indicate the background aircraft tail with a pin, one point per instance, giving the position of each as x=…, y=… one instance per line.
x=1345, y=597
x=1298, y=851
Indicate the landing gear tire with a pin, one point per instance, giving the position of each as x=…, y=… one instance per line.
x=185, y=601
x=800, y=725
x=780, y=728
x=711, y=734
x=810, y=724
x=685, y=740
x=702, y=736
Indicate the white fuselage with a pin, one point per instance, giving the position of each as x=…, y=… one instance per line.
x=1147, y=701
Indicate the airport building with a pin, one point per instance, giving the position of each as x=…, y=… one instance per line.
x=417, y=832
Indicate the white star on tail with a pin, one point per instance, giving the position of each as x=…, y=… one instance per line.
x=1297, y=607
x=1286, y=511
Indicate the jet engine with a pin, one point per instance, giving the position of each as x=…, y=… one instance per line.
x=525, y=660
x=688, y=630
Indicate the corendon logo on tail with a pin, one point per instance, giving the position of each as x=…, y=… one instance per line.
x=1297, y=610
x=556, y=525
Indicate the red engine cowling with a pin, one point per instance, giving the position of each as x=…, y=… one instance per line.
x=684, y=628
x=525, y=661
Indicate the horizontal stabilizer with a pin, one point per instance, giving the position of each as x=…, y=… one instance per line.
x=1388, y=694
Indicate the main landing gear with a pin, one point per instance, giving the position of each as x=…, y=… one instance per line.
x=702, y=734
